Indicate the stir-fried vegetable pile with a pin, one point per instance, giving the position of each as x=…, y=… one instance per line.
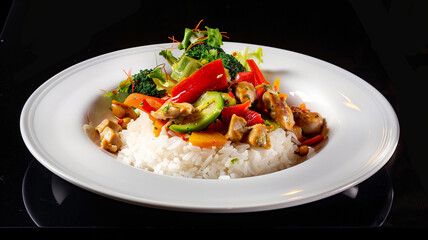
x=210, y=96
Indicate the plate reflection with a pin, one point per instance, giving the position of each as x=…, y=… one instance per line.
x=54, y=202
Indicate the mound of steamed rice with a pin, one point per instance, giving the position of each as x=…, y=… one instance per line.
x=175, y=157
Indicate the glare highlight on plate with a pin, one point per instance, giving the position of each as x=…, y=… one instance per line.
x=349, y=103
x=291, y=192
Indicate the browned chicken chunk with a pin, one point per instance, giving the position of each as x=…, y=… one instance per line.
x=278, y=110
x=121, y=110
x=173, y=110
x=236, y=128
x=109, y=136
x=310, y=122
x=108, y=123
x=244, y=91
x=258, y=136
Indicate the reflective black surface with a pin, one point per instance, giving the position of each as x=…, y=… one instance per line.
x=382, y=41
x=51, y=201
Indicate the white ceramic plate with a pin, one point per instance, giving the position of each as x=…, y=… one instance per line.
x=364, y=133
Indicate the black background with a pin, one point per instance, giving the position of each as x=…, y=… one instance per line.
x=383, y=42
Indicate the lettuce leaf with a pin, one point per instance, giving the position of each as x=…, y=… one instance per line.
x=245, y=54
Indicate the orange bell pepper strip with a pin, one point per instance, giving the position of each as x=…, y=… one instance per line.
x=207, y=139
x=143, y=102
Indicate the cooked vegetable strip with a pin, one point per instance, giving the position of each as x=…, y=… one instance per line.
x=242, y=110
x=208, y=107
x=157, y=125
x=312, y=141
x=207, y=139
x=136, y=100
x=238, y=109
x=210, y=77
x=185, y=67
x=246, y=77
x=260, y=79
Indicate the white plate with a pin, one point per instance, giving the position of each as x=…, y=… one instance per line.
x=364, y=133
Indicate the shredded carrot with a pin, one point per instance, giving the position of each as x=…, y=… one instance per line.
x=174, y=40
x=196, y=43
x=128, y=79
x=196, y=29
x=202, y=38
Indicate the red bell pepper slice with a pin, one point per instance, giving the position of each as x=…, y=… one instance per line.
x=252, y=117
x=149, y=105
x=259, y=78
x=245, y=77
x=210, y=77
x=238, y=109
x=313, y=140
x=241, y=110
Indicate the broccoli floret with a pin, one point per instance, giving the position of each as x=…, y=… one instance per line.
x=205, y=52
x=205, y=47
x=232, y=64
x=145, y=85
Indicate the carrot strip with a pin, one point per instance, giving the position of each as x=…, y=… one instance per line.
x=197, y=26
x=174, y=40
x=196, y=43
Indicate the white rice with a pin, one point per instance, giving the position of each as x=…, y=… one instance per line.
x=175, y=157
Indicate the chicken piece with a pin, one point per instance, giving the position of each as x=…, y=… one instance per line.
x=109, y=137
x=244, y=91
x=173, y=110
x=310, y=122
x=258, y=136
x=278, y=110
x=121, y=110
x=236, y=128
x=108, y=123
x=110, y=140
